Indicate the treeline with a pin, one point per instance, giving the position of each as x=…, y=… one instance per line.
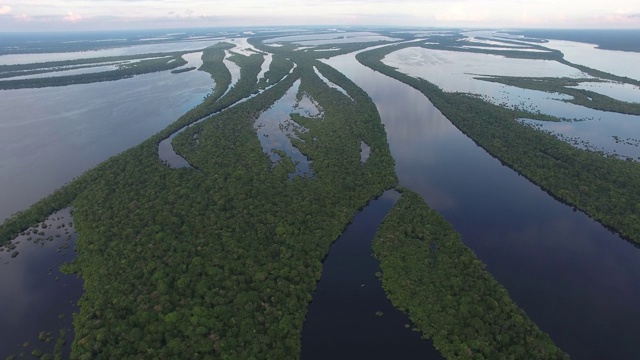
x=124, y=71
x=428, y=272
x=184, y=70
x=604, y=188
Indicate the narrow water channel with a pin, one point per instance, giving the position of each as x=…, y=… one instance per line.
x=574, y=278
x=350, y=316
x=171, y=158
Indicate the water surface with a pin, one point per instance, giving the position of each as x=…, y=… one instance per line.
x=35, y=295
x=48, y=136
x=341, y=322
x=574, y=278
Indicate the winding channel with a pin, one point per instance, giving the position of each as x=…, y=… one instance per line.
x=167, y=153
x=350, y=316
x=579, y=282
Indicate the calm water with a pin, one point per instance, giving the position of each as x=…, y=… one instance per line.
x=35, y=296
x=121, y=51
x=457, y=71
x=341, y=322
x=575, y=279
x=621, y=63
x=49, y=136
x=275, y=128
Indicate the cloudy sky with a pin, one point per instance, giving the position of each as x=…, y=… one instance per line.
x=53, y=15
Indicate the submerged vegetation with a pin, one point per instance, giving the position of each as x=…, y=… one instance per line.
x=450, y=297
x=586, y=98
x=605, y=188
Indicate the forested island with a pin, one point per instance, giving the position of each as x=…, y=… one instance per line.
x=603, y=187
x=220, y=259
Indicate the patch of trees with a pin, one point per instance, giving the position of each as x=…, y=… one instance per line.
x=604, y=188
x=184, y=70
x=449, y=296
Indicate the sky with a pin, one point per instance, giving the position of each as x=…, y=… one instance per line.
x=81, y=15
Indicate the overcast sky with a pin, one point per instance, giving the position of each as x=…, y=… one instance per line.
x=48, y=15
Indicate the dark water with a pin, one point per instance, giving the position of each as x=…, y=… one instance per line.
x=35, y=296
x=575, y=279
x=341, y=322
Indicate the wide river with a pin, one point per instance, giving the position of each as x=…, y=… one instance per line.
x=48, y=136
x=574, y=278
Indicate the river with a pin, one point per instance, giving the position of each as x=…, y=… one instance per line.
x=350, y=316
x=574, y=278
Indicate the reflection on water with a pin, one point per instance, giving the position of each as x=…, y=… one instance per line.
x=129, y=50
x=621, y=63
x=84, y=70
x=616, y=135
x=35, y=296
x=233, y=68
x=331, y=38
x=619, y=91
x=48, y=136
x=365, y=152
x=168, y=155
x=457, y=71
x=275, y=130
x=331, y=84
x=341, y=322
x=266, y=64
x=575, y=279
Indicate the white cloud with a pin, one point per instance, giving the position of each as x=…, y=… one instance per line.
x=72, y=17
x=22, y=18
x=5, y=9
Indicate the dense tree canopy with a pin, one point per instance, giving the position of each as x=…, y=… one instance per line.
x=220, y=262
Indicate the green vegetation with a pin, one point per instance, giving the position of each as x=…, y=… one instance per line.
x=180, y=71
x=450, y=297
x=221, y=262
x=581, y=97
x=124, y=71
x=605, y=188
x=601, y=74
